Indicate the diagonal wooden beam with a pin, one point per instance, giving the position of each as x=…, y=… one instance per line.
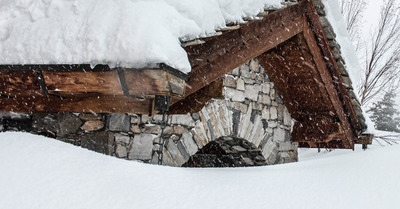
x=325, y=60
x=329, y=85
x=320, y=37
x=194, y=102
x=223, y=53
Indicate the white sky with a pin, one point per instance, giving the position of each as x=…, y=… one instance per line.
x=371, y=17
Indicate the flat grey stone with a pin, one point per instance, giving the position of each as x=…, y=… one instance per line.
x=122, y=139
x=190, y=144
x=120, y=151
x=119, y=122
x=142, y=147
x=68, y=124
x=279, y=134
x=239, y=148
x=252, y=91
x=180, y=119
x=234, y=94
x=175, y=153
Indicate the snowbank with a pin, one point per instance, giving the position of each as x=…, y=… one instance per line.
x=353, y=66
x=126, y=33
x=37, y=172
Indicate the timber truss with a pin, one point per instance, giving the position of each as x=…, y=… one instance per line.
x=290, y=44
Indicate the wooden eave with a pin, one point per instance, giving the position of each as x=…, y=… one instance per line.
x=313, y=89
x=327, y=119
x=80, y=88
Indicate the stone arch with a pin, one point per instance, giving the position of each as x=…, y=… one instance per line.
x=250, y=109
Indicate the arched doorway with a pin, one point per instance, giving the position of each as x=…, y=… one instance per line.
x=227, y=152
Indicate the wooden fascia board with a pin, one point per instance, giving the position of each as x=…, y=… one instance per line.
x=329, y=85
x=317, y=29
x=233, y=48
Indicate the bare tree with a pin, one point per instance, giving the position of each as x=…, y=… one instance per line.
x=352, y=11
x=387, y=138
x=382, y=54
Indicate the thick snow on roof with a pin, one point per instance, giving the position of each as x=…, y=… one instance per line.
x=353, y=66
x=126, y=33
x=38, y=172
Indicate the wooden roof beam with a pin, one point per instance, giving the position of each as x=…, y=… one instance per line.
x=97, y=104
x=220, y=55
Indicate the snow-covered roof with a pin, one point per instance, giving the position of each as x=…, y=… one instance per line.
x=125, y=33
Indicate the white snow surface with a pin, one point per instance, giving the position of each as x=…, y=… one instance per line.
x=353, y=66
x=38, y=172
x=126, y=33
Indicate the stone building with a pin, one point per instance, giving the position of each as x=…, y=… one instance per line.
x=257, y=92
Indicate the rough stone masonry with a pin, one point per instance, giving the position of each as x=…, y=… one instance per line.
x=250, y=110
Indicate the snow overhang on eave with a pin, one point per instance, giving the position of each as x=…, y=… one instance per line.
x=80, y=88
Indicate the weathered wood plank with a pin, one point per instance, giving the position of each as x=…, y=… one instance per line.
x=145, y=83
x=332, y=66
x=221, y=55
x=364, y=139
x=80, y=82
x=19, y=82
x=292, y=69
x=83, y=81
x=196, y=101
x=329, y=85
x=98, y=104
x=316, y=129
x=334, y=144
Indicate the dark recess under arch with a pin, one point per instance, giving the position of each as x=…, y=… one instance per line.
x=227, y=152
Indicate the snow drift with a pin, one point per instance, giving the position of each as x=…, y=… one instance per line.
x=38, y=172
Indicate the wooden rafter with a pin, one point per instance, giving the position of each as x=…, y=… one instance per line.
x=221, y=54
x=97, y=104
x=54, y=88
x=329, y=85
x=194, y=102
x=320, y=37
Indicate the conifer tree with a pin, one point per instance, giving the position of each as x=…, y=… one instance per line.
x=385, y=114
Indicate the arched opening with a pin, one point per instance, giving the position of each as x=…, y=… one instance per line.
x=227, y=152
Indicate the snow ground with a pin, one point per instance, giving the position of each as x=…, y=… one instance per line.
x=38, y=172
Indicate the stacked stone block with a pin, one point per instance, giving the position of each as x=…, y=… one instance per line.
x=250, y=109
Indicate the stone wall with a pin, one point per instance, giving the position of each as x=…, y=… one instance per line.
x=250, y=110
